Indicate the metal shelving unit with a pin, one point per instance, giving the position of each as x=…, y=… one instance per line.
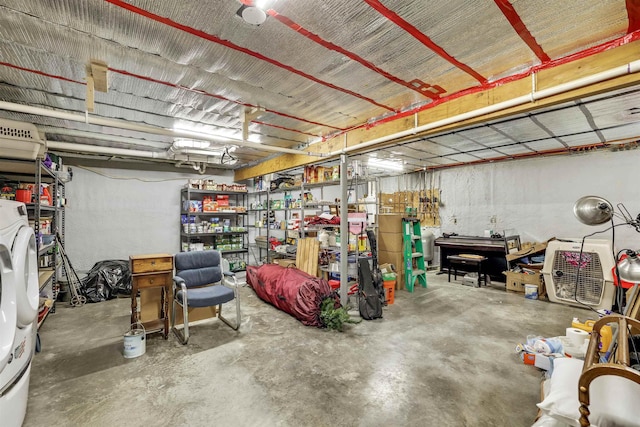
x=230, y=239
x=25, y=171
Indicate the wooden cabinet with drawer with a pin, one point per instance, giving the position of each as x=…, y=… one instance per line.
x=153, y=271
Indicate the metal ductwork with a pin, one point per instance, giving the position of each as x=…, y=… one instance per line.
x=198, y=158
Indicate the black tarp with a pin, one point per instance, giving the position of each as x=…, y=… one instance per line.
x=106, y=280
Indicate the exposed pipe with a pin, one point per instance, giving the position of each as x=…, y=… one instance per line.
x=103, y=137
x=630, y=68
x=85, y=118
x=97, y=149
x=198, y=162
x=190, y=165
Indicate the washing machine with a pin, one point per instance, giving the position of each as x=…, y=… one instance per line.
x=18, y=310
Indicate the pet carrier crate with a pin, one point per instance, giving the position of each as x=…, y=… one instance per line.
x=580, y=280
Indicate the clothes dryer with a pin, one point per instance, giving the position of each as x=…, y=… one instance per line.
x=14, y=227
x=19, y=306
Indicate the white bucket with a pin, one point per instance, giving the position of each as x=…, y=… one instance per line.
x=135, y=341
x=531, y=291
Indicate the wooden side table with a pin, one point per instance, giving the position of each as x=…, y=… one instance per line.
x=152, y=271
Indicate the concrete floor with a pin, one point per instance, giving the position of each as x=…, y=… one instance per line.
x=443, y=356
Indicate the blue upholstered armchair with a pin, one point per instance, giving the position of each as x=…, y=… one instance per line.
x=201, y=281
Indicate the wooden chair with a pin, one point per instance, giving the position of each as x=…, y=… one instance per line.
x=593, y=368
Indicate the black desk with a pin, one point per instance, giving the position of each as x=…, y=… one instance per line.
x=494, y=249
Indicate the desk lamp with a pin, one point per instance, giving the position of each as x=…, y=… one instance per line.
x=594, y=210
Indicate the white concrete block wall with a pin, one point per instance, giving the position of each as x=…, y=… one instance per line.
x=115, y=213
x=112, y=218
x=535, y=197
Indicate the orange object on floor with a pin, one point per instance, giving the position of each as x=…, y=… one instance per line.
x=389, y=290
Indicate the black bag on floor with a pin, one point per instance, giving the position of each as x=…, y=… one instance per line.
x=370, y=304
x=106, y=280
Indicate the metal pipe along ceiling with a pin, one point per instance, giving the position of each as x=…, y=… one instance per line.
x=630, y=68
x=144, y=128
x=97, y=149
x=181, y=154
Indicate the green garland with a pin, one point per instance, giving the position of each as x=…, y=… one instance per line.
x=335, y=318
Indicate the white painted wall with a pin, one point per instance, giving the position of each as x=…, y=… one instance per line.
x=110, y=218
x=535, y=197
x=114, y=213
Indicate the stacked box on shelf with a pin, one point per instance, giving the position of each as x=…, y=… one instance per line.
x=208, y=204
x=222, y=200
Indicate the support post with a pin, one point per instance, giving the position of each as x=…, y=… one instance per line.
x=344, y=230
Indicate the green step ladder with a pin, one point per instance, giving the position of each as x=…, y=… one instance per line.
x=414, y=268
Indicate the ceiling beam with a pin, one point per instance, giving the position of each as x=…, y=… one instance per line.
x=545, y=78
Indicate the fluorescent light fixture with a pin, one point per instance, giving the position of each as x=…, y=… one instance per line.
x=261, y=4
x=190, y=143
x=202, y=132
x=385, y=164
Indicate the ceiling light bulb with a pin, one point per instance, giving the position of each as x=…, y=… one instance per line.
x=252, y=15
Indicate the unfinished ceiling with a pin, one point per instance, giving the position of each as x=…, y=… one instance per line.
x=184, y=74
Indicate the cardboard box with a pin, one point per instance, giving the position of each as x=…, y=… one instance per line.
x=387, y=268
x=535, y=267
x=391, y=257
x=539, y=360
x=285, y=262
x=390, y=242
x=390, y=224
x=208, y=204
x=515, y=282
x=396, y=259
x=150, y=308
x=532, y=250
